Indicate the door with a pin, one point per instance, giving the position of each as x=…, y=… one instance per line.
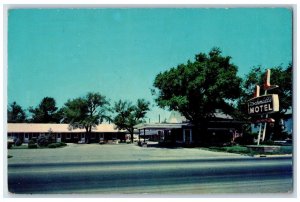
x=82, y=139
x=187, y=136
x=26, y=137
x=58, y=137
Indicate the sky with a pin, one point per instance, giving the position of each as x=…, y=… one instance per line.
x=65, y=53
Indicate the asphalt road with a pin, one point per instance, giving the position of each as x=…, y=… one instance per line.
x=194, y=176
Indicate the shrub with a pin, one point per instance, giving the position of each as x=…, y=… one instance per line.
x=31, y=144
x=52, y=145
x=9, y=145
x=43, y=141
x=18, y=142
x=63, y=144
x=58, y=144
x=237, y=149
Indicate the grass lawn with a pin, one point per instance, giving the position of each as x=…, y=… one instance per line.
x=245, y=150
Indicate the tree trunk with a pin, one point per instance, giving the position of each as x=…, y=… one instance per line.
x=200, y=133
x=131, y=136
x=88, y=132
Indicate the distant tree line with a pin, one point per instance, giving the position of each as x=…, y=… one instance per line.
x=195, y=89
x=83, y=112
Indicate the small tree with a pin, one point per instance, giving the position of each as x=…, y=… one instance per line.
x=45, y=112
x=129, y=115
x=86, y=112
x=15, y=113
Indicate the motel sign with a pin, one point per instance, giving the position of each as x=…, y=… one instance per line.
x=265, y=104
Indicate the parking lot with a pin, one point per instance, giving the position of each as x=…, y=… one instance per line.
x=108, y=152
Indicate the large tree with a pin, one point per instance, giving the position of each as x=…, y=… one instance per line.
x=45, y=112
x=129, y=115
x=279, y=76
x=86, y=112
x=15, y=113
x=196, y=89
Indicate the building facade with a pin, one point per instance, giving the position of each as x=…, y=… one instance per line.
x=218, y=130
x=63, y=133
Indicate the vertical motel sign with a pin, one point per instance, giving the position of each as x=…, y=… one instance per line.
x=263, y=105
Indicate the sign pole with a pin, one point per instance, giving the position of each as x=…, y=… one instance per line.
x=265, y=104
x=265, y=125
x=259, y=134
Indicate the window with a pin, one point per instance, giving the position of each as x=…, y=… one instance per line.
x=68, y=135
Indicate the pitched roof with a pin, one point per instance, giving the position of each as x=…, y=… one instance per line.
x=161, y=126
x=176, y=117
x=55, y=128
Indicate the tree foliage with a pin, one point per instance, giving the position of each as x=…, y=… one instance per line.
x=86, y=112
x=46, y=112
x=129, y=115
x=15, y=113
x=196, y=89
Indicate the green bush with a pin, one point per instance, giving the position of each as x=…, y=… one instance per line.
x=286, y=150
x=232, y=149
x=52, y=145
x=18, y=142
x=32, y=144
x=43, y=141
x=57, y=144
x=9, y=145
x=237, y=149
x=63, y=144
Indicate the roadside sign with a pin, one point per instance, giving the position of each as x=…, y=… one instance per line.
x=265, y=104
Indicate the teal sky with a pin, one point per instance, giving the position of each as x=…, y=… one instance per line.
x=65, y=53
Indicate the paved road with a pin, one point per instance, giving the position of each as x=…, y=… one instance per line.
x=194, y=176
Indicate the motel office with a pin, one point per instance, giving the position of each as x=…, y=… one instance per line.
x=221, y=129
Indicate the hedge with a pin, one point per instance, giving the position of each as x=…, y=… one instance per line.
x=57, y=144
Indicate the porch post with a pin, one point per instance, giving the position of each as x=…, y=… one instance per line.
x=183, y=134
x=139, y=135
x=144, y=134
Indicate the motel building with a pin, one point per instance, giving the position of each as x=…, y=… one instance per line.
x=221, y=129
x=62, y=132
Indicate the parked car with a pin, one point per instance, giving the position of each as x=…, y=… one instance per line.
x=10, y=142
